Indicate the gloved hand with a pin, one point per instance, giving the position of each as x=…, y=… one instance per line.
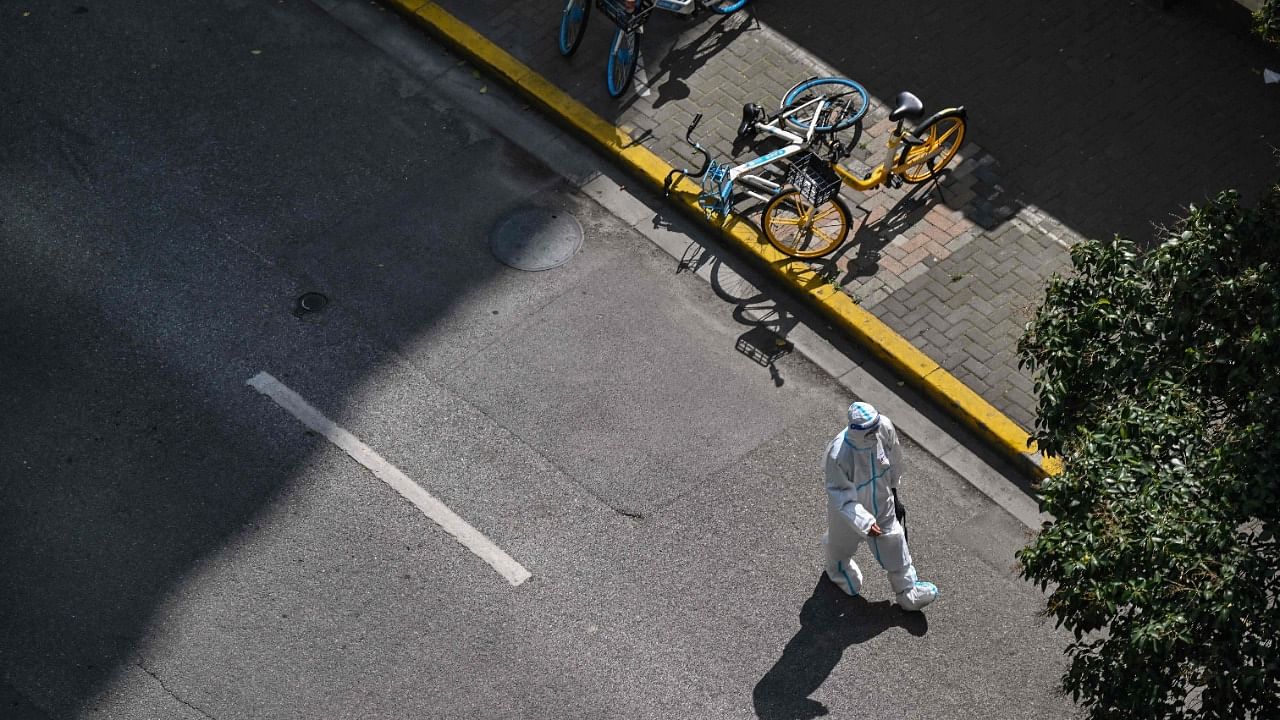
x=900, y=512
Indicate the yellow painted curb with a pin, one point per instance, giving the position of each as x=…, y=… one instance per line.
x=918, y=368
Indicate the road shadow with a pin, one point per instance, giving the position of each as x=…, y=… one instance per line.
x=123, y=485
x=830, y=622
x=125, y=471
x=1110, y=117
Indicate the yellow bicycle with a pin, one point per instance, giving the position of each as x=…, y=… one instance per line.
x=807, y=218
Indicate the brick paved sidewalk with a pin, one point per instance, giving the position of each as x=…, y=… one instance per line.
x=957, y=272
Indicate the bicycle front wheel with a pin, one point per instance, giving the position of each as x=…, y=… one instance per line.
x=573, y=25
x=848, y=102
x=798, y=228
x=942, y=135
x=624, y=53
x=725, y=7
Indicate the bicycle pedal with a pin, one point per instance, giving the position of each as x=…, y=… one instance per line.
x=895, y=182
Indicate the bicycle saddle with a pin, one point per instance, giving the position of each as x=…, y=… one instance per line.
x=907, y=106
x=751, y=114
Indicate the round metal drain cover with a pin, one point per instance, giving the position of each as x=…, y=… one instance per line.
x=310, y=302
x=536, y=239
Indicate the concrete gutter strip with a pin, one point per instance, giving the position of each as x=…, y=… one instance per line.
x=905, y=359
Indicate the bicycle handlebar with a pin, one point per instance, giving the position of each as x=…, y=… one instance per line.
x=688, y=134
x=706, y=157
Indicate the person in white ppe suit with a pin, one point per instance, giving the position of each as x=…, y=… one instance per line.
x=863, y=468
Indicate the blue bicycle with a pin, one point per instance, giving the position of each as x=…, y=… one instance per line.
x=629, y=16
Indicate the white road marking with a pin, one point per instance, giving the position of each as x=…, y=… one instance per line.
x=460, y=529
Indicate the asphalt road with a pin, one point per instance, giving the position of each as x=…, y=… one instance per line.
x=173, y=176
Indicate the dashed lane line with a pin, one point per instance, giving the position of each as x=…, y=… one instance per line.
x=438, y=512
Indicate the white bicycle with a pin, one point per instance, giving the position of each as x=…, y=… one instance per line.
x=810, y=115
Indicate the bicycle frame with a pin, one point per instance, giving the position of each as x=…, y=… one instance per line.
x=795, y=143
x=719, y=181
x=644, y=7
x=893, y=165
x=679, y=7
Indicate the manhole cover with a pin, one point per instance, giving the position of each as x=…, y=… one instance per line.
x=309, y=303
x=536, y=239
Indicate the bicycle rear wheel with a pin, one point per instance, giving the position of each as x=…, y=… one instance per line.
x=849, y=103
x=624, y=53
x=725, y=7
x=942, y=135
x=801, y=229
x=573, y=25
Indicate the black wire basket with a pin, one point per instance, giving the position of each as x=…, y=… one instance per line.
x=815, y=179
x=628, y=21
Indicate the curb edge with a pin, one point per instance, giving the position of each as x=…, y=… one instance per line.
x=953, y=396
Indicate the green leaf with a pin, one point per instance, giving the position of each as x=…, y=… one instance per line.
x=1157, y=376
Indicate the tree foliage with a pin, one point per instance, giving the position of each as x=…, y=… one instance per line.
x=1158, y=376
x=1266, y=21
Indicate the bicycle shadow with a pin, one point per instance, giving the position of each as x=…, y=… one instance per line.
x=870, y=239
x=680, y=62
x=768, y=324
x=874, y=234
x=818, y=272
x=875, y=231
x=830, y=622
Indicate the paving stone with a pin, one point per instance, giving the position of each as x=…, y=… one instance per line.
x=914, y=313
x=978, y=352
x=980, y=274
x=894, y=307
x=955, y=329
x=1004, y=282
x=929, y=320
x=913, y=272
x=982, y=306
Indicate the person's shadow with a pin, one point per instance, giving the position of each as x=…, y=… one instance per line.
x=830, y=621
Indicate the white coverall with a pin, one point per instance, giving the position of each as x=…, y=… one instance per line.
x=863, y=466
